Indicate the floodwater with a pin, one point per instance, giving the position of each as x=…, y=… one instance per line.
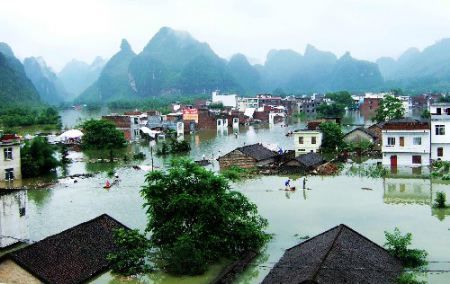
x=403, y=202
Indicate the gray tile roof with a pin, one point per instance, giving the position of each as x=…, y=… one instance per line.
x=310, y=159
x=72, y=256
x=257, y=151
x=339, y=255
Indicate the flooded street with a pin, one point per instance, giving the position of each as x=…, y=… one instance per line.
x=389, y=203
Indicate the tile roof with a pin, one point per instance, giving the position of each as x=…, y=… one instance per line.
x=406, y=124
x=365, y=130
x=310, y=159
x=339, y=255
x=72, y=256
x=257, y=151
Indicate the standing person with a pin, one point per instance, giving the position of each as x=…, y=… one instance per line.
x=304, y=183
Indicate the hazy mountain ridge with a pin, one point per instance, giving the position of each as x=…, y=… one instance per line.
x=77, y=75
x=425, y=70
x=15, y=87
x=50, y=88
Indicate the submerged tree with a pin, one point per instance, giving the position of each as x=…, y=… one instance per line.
x=390, y=108
x=196, y=220
x=37, y=158
x=332, y=136
x=102, y=134
x=397, y=245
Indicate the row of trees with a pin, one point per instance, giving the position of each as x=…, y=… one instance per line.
x=23, y=116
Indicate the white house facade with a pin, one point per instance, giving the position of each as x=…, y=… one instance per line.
x=13, y=218
x=306, y=141
x=440, y=131
x=406, y=142
x=226, y=100
x=10, y=168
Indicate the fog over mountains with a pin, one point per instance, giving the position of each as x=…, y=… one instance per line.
x=173, y=62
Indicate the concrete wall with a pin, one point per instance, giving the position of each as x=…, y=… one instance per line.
x=8, y=164
x=307, y=146
x=13, y=218
x=10, y=272
x=408, y=136
x=405, y=159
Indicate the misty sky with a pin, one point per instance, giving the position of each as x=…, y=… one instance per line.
x=62, y=30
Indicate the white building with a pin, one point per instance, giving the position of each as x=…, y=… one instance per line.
x=440, y=131
x=226, y=100
x=406, y=142
x=10, y=158
x=306, y=141
x=13, y=219
x=245, y=103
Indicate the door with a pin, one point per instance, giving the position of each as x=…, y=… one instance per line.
x=394, y=161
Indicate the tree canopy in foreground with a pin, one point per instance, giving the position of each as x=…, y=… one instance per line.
x=196, y=220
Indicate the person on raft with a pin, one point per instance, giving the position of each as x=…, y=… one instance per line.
x=287, y=184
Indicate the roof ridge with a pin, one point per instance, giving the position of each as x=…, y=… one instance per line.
x=319, y=267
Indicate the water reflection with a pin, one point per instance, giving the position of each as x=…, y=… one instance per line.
x=407, y=191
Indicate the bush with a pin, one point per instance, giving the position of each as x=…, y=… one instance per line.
x=408, y=278
x=234, y=173
x=397, y=245
x=175, y=146
x=130, y=257
x=139, y=156
x=439, y=201
x=196, y=220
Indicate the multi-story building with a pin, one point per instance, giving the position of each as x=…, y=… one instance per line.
x=245, y=103
x=10, y=157
x=128, y=124
x=306, y=141
x=406, y=142
x=228, y=100
x=440, y=131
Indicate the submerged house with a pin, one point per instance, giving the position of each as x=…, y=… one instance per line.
x=72, y=256
x=359, y=135
x=339, y=255
x=249, y=156
x=303, y=163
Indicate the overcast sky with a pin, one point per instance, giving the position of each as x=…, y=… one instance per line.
x=62, y=30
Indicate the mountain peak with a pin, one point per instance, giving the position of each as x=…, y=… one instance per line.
x=125, y=46
x=6, y=49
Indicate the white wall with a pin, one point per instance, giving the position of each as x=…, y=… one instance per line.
x=404, y=154
x=11, y=223
x=7, y=164
x=226, y=100
x=307, y=146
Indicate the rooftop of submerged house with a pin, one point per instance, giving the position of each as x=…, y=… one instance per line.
x=339, y=255
x=72, y=256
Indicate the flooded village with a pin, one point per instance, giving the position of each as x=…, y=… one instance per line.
x=382, y=179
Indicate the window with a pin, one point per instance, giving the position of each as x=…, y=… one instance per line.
x=438, y=111
x=439, y=129
x=136, y=121
x=7, y=153
x=417, y=141
x=391, y=141
x=9, y=174
x=22, y=211
x=300, y=140
x=417, y=159
x=402, y=141
x=313, y=140
x=440, y=152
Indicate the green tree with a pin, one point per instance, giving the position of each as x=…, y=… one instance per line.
x=425, y=114
x=37, y=158
x=440, y=200
x=332, y=136
x=331, y=110
x=131, y=256
x=196, y=220
x=101, y=134
x=344, y=98
x=397, y=245
x=390, y=108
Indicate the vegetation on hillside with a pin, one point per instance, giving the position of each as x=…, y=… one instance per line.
x=26, y=116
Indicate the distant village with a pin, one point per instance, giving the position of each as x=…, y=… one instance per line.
x=399, y=142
